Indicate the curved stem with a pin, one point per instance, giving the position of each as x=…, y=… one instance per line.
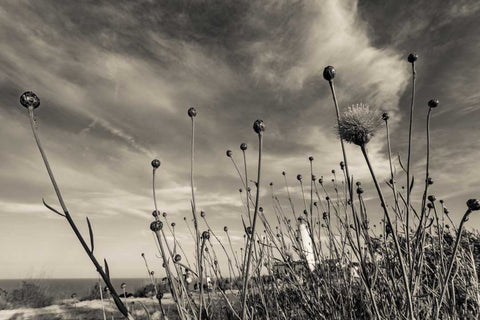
x=412, y=105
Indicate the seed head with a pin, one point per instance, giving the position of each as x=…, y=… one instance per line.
x=342, y=165
x=229, y=153
x=299, y=177
x=173, y=224
x=192, y=112
x=359, y=124
x=29, y=99
x=310, y=158
x=225, y=229
x=177, y=258
x=206, y=235
x=432, y=198
x=385, y=116
x=429, y=181
x=412, y=57
x=164, y=214
x=429, y=205
x=433, y=103
x=243, y=146
x=159, y=295
x=123, y=285
x=202, y=214
x=259, y=126
x=156, y=225
x=155, y=213
x=473, y=204
x=329, y=73
x=445, y=210
x=155, y=163
x=249, y=230
x=283, y=173
x=359, y=190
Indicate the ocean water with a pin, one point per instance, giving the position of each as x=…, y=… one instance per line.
x=63, y=288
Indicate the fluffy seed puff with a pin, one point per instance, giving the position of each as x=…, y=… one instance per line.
x=358, y=124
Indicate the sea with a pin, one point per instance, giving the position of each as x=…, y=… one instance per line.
x=64, y=288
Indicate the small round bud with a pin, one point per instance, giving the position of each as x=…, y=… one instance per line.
x=385, y=116
x=243, y=146
x=240, y=190
x=329, y=73
x=206, y=235
x=155, y=163
x=320, y=180
x=445, y=210
x=229, y=153
x=299, y=177
x=202, y=214
x=429, y=205
x=327, y=198
x=173, y=224
x=342, y=165
x=225, y=229
x=155, y=213
x=360, y=190
x=29, y=99
x=260, y=209
x=305, y=212
x=192, y=112
x=412, y=57
x=283, y=173
x=249, y=230
x=441, y=201
x=358, y=183
x=177, y=258
x=259, y=126
x=315, y=203
x=123, y=285
x=433, y=103
x=314, y=177
x=388, y=229
x=333, y=171
x=473, y=204
x=310, y=158
x=143, y=254
x=156, y=225
x=159, y=295
x=325, y=216
x=164, y=214
x=432, y=198
x=271, y=184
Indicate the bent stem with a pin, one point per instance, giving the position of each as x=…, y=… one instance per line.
x=106, y=278
x=250, y=243
x=394, y=235
x=452, y=259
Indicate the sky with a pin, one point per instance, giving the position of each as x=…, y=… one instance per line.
x=116, y=79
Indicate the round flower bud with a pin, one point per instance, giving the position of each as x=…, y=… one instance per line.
x=243, y=146
x=173, y=224
x=314, y=177
x=192, y=112
x=432, y=198
x=433, y=103
x=260, y=209
x=164, y=214
x=342, y=165
x=430, y=181
x=225, y=229
x=333, y=171
x=271, y=184
x=441, y=201
x=29, y=99
x=473, y=204
x=143, y=254
x=206, y=235
x=299, y=177
x=249, y=230
x=359, y=190
x=229, y=153
x=177, y=258
x=283, y=173
x=385, y=116
x=156, y=225
x=412, y=57
x=259, y=126
x=429, y=205
x=445, y=210
x=240, y=190
x=315, y=203
x=155, y=213
x=202, y=214
x=310, y=158
x=159, y=295
x=329, y=73
x=123, y=285
x=320, y=180
x=155, y=163
x=327, y=198
x=388, y=229
x=152, y=273
x=358, y=183
x=305, y=212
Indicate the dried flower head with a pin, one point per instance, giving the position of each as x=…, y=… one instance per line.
x=177, y=258
x=259, y=126
x=385, y=116
x=473, y=204
x=155, y=163
x=156, y=225
x=329, y=73
x=192, y=112
x=225, y=229
x=433, y=103
x=432, y=198
x=229, y=153
x=155, y=213
x=299, y=177
x=359, y=124
x=243, y=146
x=206, y=235
x=202, y=214
x=412, y=57
x=310, y=158
x=29, y=99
